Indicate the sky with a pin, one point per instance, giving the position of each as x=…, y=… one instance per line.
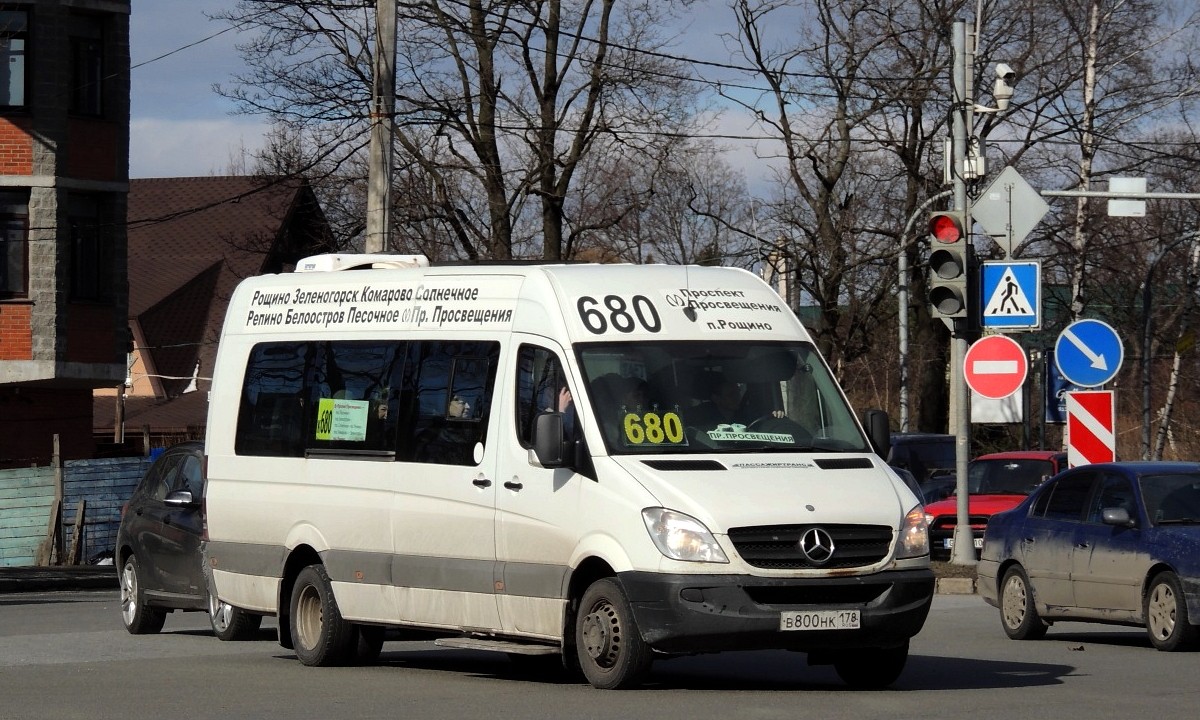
x=179, y=127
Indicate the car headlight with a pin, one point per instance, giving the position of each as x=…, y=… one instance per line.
x=682, y=537
x=914, y=535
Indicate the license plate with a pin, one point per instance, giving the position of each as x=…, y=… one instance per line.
x=819, y=620
x=948, y=543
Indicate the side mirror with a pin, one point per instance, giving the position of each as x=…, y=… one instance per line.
x=548, y=445
x=181, y=498
x=1117, y=516
x=878, y=432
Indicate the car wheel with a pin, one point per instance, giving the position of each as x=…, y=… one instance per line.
x=608, y=644
x=229, y=622
x=139, y=618
x=871, y=668
x=1017, y=612
x=320, y=636
x=1167, y=614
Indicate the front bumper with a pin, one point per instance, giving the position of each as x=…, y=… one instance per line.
x=686, y=614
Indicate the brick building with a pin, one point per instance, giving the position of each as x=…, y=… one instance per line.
x=64, y=177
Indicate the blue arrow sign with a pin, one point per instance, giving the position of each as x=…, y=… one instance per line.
x=1088, y=353
x=1011, y=295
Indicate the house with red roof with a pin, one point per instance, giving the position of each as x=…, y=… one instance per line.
x=191, y=240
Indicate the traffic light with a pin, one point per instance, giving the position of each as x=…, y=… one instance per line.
x=949, y=265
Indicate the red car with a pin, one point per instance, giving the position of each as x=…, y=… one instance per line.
x=996, y=482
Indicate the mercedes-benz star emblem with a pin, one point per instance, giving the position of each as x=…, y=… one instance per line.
x=817, y=545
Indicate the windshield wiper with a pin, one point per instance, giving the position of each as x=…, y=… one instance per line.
x=1178, y=521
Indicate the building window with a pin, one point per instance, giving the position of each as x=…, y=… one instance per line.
x=14, y=29
x=91, y=249
x=14, y=245
x=87, y=67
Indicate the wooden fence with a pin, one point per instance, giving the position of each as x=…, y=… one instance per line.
x=64, y=515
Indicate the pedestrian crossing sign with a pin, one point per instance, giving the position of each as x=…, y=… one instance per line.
x=1011, y=295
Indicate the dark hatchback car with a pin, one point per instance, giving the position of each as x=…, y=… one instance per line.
x=158, y=549
x=1111, y=543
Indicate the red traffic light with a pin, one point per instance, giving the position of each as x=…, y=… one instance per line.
x=945, y=227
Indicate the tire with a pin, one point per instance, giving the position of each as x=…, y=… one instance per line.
x=610, y=648
x=229, y=622
x=872, y=668
x=1018, y=614
x=320, y=637
x=1166, y=613
x=139, y=618
x=369, y=643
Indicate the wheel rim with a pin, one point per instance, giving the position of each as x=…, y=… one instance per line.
x=129, y=593
x=221, y=612
x=601, y=633
x=1016, y=602
x=308, y=620
x=1160, y=611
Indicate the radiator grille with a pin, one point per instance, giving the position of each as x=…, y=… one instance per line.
x=777, y=547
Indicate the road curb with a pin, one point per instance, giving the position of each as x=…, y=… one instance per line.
x=47, y=579
x=955, y=586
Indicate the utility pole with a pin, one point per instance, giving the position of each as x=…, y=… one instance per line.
x=960, y=425
x=383, y=110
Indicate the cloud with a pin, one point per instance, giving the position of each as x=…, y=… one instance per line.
x=185, y=148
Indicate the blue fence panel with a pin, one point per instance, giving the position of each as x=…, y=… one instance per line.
x=104, y=485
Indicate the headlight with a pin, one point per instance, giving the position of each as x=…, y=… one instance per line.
x=914, y=535
x=682, y=537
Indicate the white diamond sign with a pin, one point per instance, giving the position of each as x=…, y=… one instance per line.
x=1009, y=209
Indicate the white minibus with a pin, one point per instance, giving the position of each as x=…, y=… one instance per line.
x=587, y=465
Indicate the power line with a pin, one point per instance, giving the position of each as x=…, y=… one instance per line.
x=178, y=50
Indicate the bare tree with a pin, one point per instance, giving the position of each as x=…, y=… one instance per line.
x=1097, y=77
x=497, y=102
x=855, y=93
x=696, y=210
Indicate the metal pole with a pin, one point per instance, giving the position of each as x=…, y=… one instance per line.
x=383, y=110
x=1146, y=356
x=964, y=542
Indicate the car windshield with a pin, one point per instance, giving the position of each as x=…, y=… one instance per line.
x=698, y=397
x=1172, y=499
x=1002, y=476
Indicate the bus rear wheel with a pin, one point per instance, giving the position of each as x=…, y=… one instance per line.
x=320, y=636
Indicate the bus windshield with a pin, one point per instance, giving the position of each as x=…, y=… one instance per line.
x=700, y=397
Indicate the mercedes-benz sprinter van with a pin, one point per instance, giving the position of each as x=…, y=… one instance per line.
x=606, y=464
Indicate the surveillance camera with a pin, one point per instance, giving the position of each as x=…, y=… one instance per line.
x=1003, y=88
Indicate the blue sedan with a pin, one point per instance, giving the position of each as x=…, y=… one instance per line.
x=1111, y=543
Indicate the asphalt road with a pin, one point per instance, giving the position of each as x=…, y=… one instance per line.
x=65, y=655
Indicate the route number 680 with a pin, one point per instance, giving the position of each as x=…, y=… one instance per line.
x=653, y=428
x=618, y=313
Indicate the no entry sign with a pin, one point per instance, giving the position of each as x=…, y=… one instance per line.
x=995, y=366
